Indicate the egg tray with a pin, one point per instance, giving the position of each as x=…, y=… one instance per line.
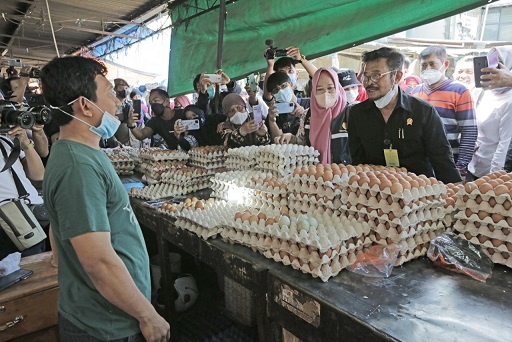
x=265, y=188
x=498, y=208
x=156, y=191
x=124, y=172
x=382, y=200
x=414, y=253
x=404, y=221
x=407, y=196
x=310, y=206
x=277, y=170
x=337, y=182
x=150, y=180
x=240, y=178
x=209, y=150
x=497, y=244
x=500, y=199
x=159, y=166
x=410, y=243
x=206, y=158
x=394, y=209
x=208, y=166
x=176, y=156
x=395, y=234
x=487, y=230
x=502, y=258
x=449, y=219
x=188, y=175
x=502, y=223
x=284, y=150
x=315, y=189
x=204, y=233
x=211, y=215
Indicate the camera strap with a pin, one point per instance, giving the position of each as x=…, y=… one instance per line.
x=10, y=160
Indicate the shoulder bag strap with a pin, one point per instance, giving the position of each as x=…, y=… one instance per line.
x=22, y=192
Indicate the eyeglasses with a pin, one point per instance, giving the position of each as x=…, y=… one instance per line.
x=374, y=76
x=280, y=87
x=235, y=109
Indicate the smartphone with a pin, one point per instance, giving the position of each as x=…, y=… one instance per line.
x=284, y=107
x=479, y=63
x=14, y=62
x=136, y=107
x=214, y=78
x=251, y=82
x=257, y=114
x=192, y=125
x=13, y=278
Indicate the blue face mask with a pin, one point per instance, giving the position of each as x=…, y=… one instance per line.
x=293, y=79
x=109, y=123
x=211, y=92
x=284, y=95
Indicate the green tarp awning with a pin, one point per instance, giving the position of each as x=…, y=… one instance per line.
x=316, y=27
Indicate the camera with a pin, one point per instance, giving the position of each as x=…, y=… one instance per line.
x=272, y=51
x=14, y=114
x=35, y=73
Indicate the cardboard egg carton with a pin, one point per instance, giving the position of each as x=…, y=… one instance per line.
x=494, y=243
x=503, y=258
x=211, y=152
x=410, y=243
x=324, y=190
x=477, y=203
x=203, y=232
x=331, y=202
x=286, y=150
x=407, y=220
x=209, y=165
x=160, y=190
x=239, y=178
x=185, y=174
x=158, y=154
x=408, y=195
x=488, y=230
x=270, y=187
x=500, y=199
x=389, y=205
x=395, y=234
x=495, y=219
x=417, y=252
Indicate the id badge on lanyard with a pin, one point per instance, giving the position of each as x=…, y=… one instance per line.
x=391, y=156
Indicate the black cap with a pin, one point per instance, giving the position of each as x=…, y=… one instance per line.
x=347, y=78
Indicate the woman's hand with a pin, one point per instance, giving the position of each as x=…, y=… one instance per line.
x=298, y=111
x=249, y=127
x=262, y=130
x=283, y=139
x=179, y=129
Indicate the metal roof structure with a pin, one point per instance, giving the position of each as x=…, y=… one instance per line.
x=34, y=30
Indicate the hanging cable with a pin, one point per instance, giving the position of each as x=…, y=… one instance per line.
x=53, y=32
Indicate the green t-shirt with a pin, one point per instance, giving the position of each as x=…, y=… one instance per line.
x=82, y=194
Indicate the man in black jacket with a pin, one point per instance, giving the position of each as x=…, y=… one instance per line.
x=392, y=128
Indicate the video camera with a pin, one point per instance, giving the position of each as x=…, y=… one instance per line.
x=272, y=51
x=16, y=114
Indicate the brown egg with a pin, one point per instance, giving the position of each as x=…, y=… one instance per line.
x=482, y=214
x=354, y=178
x=469, y=187
x=238, y=215
x=284, y=210
x=199, y=205
x=363, y=180
x=336, y=172
x=467, y=235
x=270, y=221
x=505, y=231
x=509, y=220
x=478, y=199
x=351, y=168
x=482, y=238
x=505, y=255
x=501, y=190
x=296, y=171
x=397, y=187
x=492, y=202
x=253, y=218
x=496, y=242
x=245, y=217
x=449, y=202
x=262, y=216
x=485, y=187
x=497, y=217
x=188, y=201
x=405, y=184
x=479, y=182
x=327, y=176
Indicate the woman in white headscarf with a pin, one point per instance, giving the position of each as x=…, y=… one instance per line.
x=494, y=121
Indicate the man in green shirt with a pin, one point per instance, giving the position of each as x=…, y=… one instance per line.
x=103, y=263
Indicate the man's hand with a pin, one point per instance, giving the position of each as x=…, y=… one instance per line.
x=224, y=79
x=37, y=128
x=270, y=61
x=21, y=134
x=283, y=139
x=25, y=70
x=298, y=111
x=179, y=129
x=496, y=78
x=273, y=113
x=204, y=82
x=262, y=130
x=155, y=328
x=293, y=52
x=249, y=127
x=133, y=118
x=251, y=93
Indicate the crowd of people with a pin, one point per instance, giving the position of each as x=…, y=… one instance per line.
x=431, y=124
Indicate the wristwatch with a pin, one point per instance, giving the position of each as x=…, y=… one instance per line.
x=132, y=127
x=302, y=57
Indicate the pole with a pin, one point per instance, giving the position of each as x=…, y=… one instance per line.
x=484, y=22
x=220, y=41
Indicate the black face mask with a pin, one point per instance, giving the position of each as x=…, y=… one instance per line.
x=121, y=93
x=158, y=109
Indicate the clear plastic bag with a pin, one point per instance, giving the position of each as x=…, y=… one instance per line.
x=378, y=261
x=461, y=256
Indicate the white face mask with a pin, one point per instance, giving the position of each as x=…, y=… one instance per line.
x=431, y=76
x=239, y=118
x=352, y=95
x=284, y=95
x=293, y=79
x=326, y=100
x=386, y=99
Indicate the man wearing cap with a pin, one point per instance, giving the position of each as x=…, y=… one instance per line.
x=123, y=112
x=350, y=84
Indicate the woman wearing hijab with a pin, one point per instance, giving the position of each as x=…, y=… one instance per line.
x=240, y=128
x=181, y=101
x=411, y=82
x=494, y=122
x=321, y=127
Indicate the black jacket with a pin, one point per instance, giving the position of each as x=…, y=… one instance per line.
x=414, y=129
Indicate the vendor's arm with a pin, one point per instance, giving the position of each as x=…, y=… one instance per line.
x=32, y=164
x=137, y=132
x=111, y=278
x=40, y=141
x=294, y=53
x=496, y=78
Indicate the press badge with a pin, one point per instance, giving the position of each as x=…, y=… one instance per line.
x=391, y=156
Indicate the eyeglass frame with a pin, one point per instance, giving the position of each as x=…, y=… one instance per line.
x=365, y=78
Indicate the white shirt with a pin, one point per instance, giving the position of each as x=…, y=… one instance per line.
x=7, y=187
x=494, y=122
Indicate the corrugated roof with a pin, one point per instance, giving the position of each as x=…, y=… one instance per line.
x=26, y=33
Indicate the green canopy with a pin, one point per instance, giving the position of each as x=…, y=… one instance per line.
x=316, y=27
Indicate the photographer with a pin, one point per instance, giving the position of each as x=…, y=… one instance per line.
x=206, y=94
x=123, y=111
x=285, y=64
x=27, y=167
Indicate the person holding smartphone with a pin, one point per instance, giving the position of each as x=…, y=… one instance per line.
x=191, y=131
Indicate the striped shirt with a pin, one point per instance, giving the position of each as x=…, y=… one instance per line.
x=455, y=106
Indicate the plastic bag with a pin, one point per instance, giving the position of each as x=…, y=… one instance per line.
x=461, y=256
x=378, y=261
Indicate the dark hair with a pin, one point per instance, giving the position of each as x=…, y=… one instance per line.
x=394, y=59
x=66, y=79
x=436, y=50
x=160, y=92
x=133, y=94
x=284, y=62
x=407, y=62
x=196, y=81
x=276, y=79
